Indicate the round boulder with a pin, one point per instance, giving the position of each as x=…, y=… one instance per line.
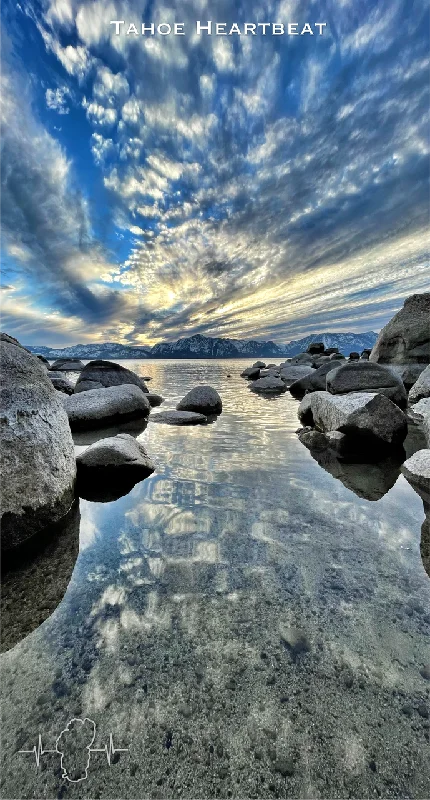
x=203, y=400
x=269, y=385
x=154, y=399
x=37, y=453
x=98, y=408
x=365, y=376
x=102, y=374
x=67, y=365
x=406, y=338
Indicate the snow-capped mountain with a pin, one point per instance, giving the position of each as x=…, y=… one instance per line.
x=199, y=346
x=346, y=342
x=92, y=351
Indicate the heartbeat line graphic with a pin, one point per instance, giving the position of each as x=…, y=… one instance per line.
x=74, y=727
x=38, y=751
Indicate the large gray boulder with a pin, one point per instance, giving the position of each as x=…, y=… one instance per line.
x=67, y=365
x=102, y=374
x=37, y=453
x=406, y=338
x=290, y=374
x=364, y=376
x=420, y=413
x=408, y=373
x=102, y=407
x=359, y=414
x=314, y=381
x=4, y=337
x=179, y=418
x=269, y=385
x=202, y=399
x=302, y=358
x=154, y=399
x=252, y=373
x=122, y=454
x=61, y=384
x=421, y=387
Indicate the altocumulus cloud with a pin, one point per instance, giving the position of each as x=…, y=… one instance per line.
x=260, y=187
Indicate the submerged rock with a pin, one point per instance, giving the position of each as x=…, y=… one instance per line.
x=37, y=454
x=365, y=376
x=370, y=480
x=35, y=577
x=67, y=365
x=406, y=338
x=179, y=418
x=359, y=414
x=102, y=407
x=102, y=374
x=203, y=400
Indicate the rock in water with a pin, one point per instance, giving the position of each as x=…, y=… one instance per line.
x=420, y=413
x=290, y=374
x=360, y=414
x=365, y=376
x=203, y=400
x=251, y=372
x=37, y=452
x=406, y=338
x=269, y=385
x=421, y=387
x=314, y=381
x=101, y=374
x=259, y=364
x=179, y=418
x=122, y=454
x=154, y=399
x=101, y=407
x=417, y=471
x=67, y=365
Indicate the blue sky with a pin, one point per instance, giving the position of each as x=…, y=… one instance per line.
x=242, y=186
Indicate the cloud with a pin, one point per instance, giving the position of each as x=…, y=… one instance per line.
x=56, y=100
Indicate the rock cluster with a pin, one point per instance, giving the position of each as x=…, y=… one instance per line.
x=103, y=374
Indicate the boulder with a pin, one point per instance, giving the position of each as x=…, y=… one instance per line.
x=252, y=373
x=101, y=407
x=179, y=418
x=68, y=364
x=37, y=453
x=61, y=384
x=314, y=381
x=305, y=411
x=290, y=374
x=301, y=359
x=365, y=376
x=259, y=364
x=273, y=371
x=331, y=351
x=417, y=471
x=421, y=387
x=361, y=415
x=316, y=347
x=406, y=338
x=121, y=454
x=408, y=373
x=421, y=414
x=203, y=400
x=337, y=357
x=154, y=399
x=269, y=385
x=102, y=374
x=312, y=439
x=320, y=360
x=43, y=360
x=354, y=356
x=4, y=337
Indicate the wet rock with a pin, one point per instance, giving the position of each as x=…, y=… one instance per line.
x=301, y=359
x=203, y=400
x=360, y=415
x=365, y=376
x=154, y=399
x=101, y=407
x=179, y=418
x=98, y=374
x=67, y=365
x=37, y=453
x=252, y=373
x=406, y=338
x=269, y=385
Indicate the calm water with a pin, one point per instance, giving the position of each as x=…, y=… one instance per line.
x=246, y=622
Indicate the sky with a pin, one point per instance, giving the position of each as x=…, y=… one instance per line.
x=264, y=187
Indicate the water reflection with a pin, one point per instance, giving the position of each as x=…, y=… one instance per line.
x=35, y=578
x=243, y=620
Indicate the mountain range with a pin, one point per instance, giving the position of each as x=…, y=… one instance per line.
x=199, y=346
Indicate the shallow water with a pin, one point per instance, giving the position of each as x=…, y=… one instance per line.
x=246, y=622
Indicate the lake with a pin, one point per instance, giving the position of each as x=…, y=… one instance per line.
x=244, y=623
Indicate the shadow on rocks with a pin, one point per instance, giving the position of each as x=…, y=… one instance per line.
x=35, y=577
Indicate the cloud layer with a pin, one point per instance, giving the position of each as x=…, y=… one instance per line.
x=254, y=186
